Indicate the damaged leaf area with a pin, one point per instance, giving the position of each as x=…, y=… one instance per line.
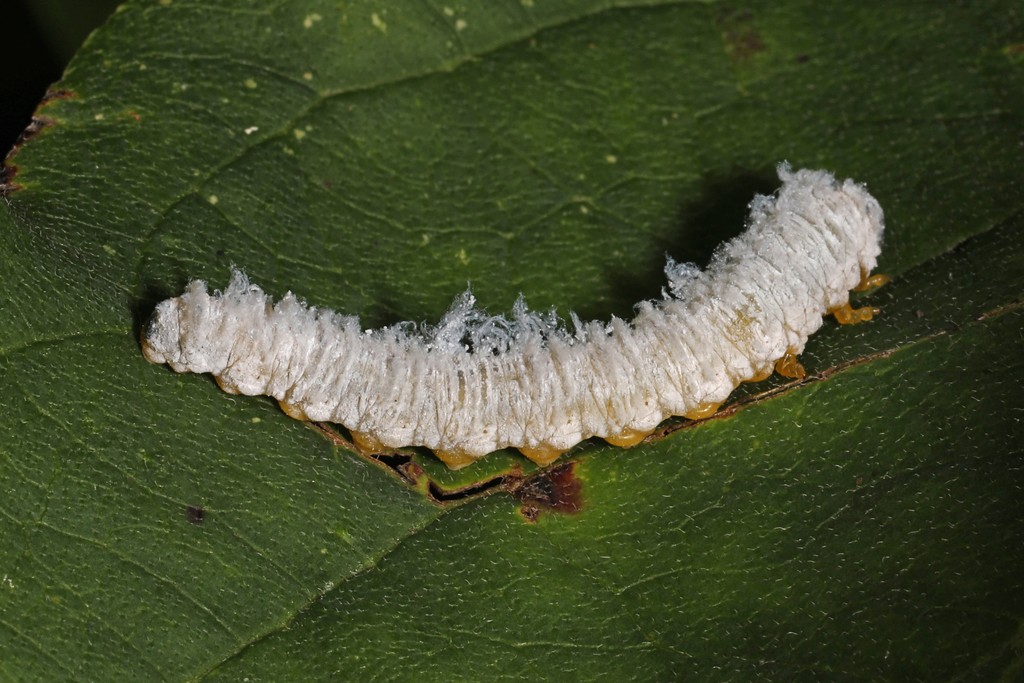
x=551, y=489
x=859, y=523
x=39, y=122
x=556, y=489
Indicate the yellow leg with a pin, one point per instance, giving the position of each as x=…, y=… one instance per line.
x=293, y=411
x=627, y=439
x=367, y=443
x=871, y=281
x=542, y=454
x=790, y=366
x=848, y=315
x=702, y=411
x=224, y=385
x=455, y=459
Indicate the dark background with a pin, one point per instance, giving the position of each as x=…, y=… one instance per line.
x=38, y=38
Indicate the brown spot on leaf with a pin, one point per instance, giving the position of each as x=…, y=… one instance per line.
x=57, y=94
x=742, y=39
x=556, y=490
x=195, y=514
x=7, y=184
x=38, y=123
x=10, y=169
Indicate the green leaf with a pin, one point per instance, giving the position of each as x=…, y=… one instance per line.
x=376, y=157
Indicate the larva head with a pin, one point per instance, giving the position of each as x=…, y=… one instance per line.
x=160, y=330
x=170, y=335
x=194, y=332
x=846, y=206
x=233, y=334
x=872, y=219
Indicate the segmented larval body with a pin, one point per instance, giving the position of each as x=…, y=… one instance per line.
x=475, y=383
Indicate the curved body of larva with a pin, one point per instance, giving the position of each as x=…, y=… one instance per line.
x=474, y=384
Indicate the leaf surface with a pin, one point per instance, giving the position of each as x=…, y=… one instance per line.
x=375, y=158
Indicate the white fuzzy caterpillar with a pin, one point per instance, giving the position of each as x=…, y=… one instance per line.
x=473, y=383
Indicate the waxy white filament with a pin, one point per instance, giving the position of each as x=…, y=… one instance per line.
x=476, y=383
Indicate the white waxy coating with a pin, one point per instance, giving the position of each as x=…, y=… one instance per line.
x=527, y=382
